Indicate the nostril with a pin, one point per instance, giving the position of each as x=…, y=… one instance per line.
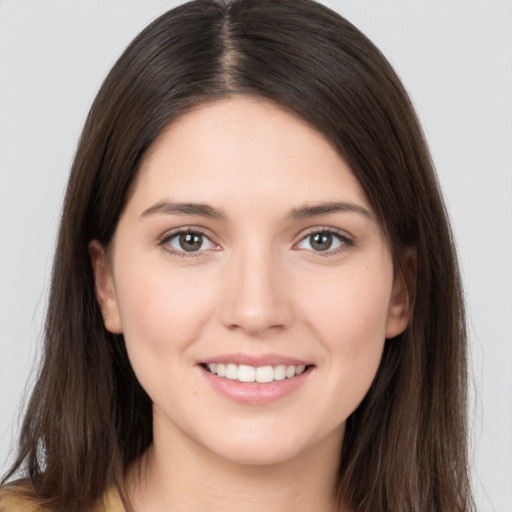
x=254, y=299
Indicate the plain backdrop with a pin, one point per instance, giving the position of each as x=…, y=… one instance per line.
x=454, y=57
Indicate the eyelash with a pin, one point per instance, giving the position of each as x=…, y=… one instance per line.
x=346, y=242
x=167, y=237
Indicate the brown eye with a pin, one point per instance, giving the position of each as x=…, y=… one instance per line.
x=324, y=241
x=320, y=241
x=189, y=241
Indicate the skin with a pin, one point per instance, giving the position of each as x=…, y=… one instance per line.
x=256, y=286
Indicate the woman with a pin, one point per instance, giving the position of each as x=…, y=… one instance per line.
x=255, y=295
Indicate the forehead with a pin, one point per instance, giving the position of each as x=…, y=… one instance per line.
x=247, y=149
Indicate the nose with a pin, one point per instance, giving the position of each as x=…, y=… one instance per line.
x=255, y=295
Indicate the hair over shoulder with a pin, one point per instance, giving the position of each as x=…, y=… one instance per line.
x=20, y=497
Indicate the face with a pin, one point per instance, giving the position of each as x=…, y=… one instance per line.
x=252, y=284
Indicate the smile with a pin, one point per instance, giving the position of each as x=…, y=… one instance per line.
x=260, y=374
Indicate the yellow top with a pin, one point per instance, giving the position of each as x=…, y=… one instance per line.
x=12, y=500
x=109, y=502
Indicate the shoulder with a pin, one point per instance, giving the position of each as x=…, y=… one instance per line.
x=17, y=498
x=109, y=502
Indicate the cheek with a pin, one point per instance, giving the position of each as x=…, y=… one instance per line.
x=352, y=306
x=348, y=315
x=162, y=313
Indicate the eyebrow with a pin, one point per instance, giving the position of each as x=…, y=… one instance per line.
x=169, y=208
x=207, y=211
x=327, y=208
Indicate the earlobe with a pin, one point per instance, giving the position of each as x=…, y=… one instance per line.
x=104, y=287
x=400, y=306
x=399, y=310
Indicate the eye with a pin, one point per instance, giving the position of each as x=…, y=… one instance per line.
x=188, y=242
x=324, y=241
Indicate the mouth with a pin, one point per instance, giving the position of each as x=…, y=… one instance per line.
x=256, y=380
x=259, y=374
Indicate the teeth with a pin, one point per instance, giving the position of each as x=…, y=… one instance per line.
x=232, y=371
x=261, y=374
x=264, y=374
x=246, y=373
x=280, y=372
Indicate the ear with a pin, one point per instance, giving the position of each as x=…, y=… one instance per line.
x=400, y=307
x=104, y=286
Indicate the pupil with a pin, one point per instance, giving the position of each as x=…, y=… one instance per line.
x=321, y=241
x=191, y=241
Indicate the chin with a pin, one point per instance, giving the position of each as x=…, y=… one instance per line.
x=256, y=455
x=263, y=448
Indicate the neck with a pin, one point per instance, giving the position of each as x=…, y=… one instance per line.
x=183, y=476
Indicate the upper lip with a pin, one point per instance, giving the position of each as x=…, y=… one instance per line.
x=255, y=360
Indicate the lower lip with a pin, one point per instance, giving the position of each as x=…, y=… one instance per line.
x=255, y=393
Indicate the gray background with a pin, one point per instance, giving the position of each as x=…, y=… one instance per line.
x=455, y=58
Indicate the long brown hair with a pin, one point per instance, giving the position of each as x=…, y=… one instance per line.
x=88, y=418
